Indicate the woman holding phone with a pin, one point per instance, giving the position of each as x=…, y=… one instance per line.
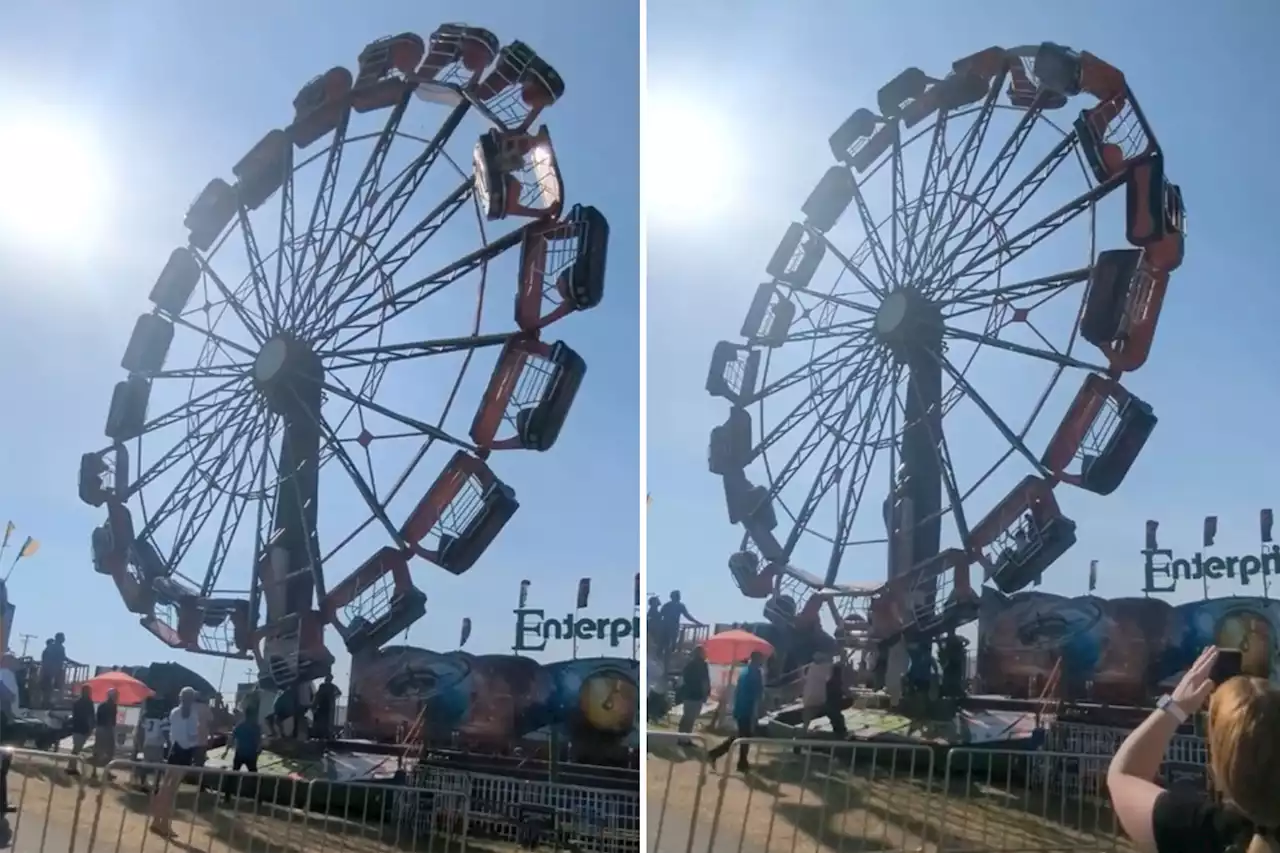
x=1244, y=750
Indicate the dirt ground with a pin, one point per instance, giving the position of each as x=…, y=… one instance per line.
x=853, y=800
x=54, y=812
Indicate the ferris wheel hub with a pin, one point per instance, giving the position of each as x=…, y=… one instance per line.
x=907, y=319
x=288, y=373
x=271, y=360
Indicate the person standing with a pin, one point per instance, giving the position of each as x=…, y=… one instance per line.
x=154, y=734
x=833, y=703
x=813, y=696
x=49, y=664
x=695, y=689
x=184, y=742
x=746, y=710
x=670, y=615
x=246, y=739
x=325, y=708
x=104, y=734
x=82, y=723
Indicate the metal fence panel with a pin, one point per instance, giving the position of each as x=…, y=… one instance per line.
x=799, y=796
x=802, y=796
x=59, y=806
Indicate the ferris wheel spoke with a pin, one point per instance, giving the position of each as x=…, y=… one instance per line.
x=834, y=461
x=838, y=355
x=855, y=270
x=977, y=202
x=933, y=170
x=195, y=515
x=321, y=211
x=825, y=395
x=179, y=497
x=856, y=489
x=820, y=430
x=201, y=403
x=899, y=227
x=220, y=371
x=998, y=218
x=365, y=320
x=369, y=356
x=879, y=256
x=845, y=331
x=412, y=423
x=233, y=512
x=376, y=508
x=1049, y=355
x=942, y=213
x=1033, y=234
x=358, y=203
x=285, y=244
x=381, y=223
x=388, y=266
x=982, y=300
x=206, y=416
x=257, y=273
x=230, y=299
x=978, y=400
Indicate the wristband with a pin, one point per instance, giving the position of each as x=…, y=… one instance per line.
x=1170, y=707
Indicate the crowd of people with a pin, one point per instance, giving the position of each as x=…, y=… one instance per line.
x=167, y=738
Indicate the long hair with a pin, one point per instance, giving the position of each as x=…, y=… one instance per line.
x=1244, y=754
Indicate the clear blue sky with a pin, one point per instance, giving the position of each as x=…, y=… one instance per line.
x=744, y=96
x=163, y=98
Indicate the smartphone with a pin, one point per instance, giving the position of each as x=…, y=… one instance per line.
x=1227, y=665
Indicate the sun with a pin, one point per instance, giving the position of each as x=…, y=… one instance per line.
x=691, y=163
x=53, y=183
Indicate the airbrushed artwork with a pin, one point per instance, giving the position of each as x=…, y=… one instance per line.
x=495, y=699
x=1124, y=650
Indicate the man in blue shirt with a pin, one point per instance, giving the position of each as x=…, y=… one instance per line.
x=746, y=709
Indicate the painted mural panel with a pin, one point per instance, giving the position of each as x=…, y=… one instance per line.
x=1121, y=650
x=492, y=699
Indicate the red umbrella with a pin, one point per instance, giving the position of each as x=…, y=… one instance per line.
x=129, y=690
x=730, y=647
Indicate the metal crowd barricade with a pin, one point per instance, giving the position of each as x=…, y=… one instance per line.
x=569, y=816
x=215, y=809
x=801, y=795
x=1011, y=801
x=812, y=795
x=675, y=770
x=47, y=805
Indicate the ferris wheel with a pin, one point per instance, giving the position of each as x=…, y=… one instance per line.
x=983, y=272
x=340, y=398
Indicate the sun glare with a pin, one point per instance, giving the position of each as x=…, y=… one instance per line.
x=53, y=184
x=692, y=163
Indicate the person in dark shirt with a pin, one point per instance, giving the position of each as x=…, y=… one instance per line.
x=49, y=664
x=324, y=707
x=747, y=697
x=695, y=689
x=104, y=734
x=246, y=738
x=1244, y=733
x=833, y=706
x=82, y=722
x=653, y=622
x=669, y=618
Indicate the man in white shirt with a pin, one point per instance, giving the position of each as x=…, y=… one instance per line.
x=184, y=742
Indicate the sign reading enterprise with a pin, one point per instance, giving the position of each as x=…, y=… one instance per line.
x=1160, y=563
x=533, y=630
